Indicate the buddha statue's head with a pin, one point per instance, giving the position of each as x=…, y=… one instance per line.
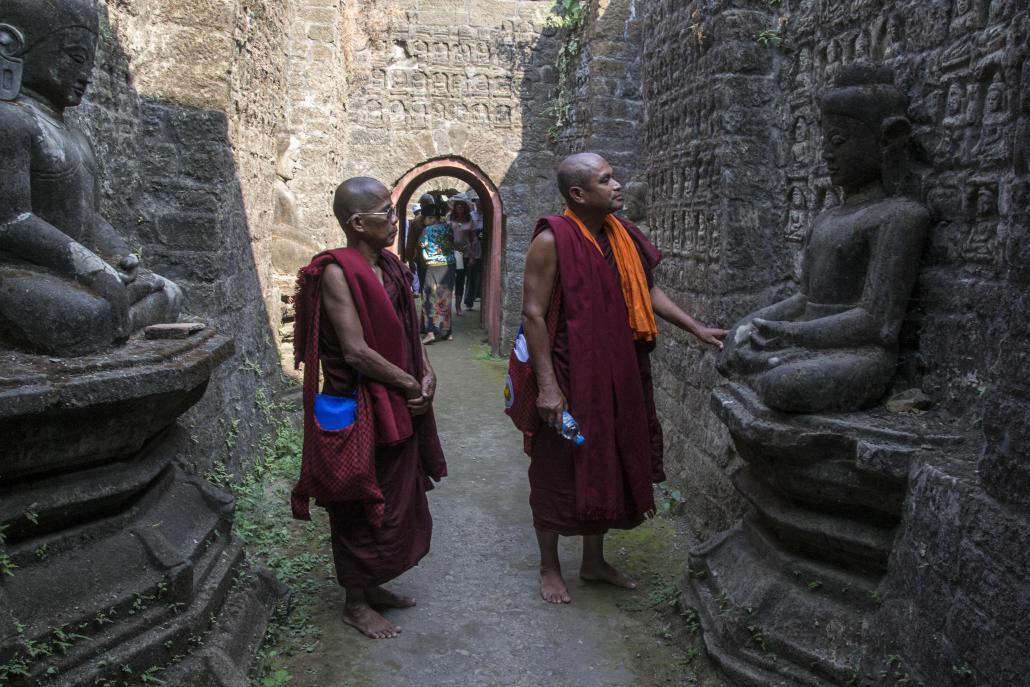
x=863, y=119
x=60, y=43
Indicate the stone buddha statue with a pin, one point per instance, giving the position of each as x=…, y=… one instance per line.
x=833, y=345
x=69, y=284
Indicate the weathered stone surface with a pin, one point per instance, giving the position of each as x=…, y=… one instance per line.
x=911, y=401
x=104, y=535
x=790, y=595
x=69, y=283
x=179, y=330
x=757, y=176
x=428, y=79
x=184, y=109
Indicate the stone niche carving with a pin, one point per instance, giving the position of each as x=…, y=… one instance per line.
x=69, y=283
x=105, y=536
x=292, y=246
x=833, y=346
x=788, y=596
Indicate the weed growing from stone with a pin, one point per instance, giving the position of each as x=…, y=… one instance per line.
x=7, y=566
x=296, y=552
x=568, y=16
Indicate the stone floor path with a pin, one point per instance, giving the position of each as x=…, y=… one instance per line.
x=479, y=619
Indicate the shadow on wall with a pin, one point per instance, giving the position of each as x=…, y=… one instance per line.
x=529, y=189
x=171, y=185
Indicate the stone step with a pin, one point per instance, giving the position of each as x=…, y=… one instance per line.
x=766, y=628
x=39, y=507
x=831, y=538
x=113, y=586
x=847, y=586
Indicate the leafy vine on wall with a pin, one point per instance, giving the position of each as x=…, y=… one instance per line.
x=568, y=16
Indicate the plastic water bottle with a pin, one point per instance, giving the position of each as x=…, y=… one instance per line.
x=570, y=429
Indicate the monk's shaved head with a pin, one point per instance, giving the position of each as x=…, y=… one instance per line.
x=359, y=194
x=578, y=170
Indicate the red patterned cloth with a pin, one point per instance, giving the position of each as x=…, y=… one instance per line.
x=340, y=466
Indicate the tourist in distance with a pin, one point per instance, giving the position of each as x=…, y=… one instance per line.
x=598, y=368
x=460, y=221
x=370, y=439
x=437, y=249
x=474, y=261
x=412, y=254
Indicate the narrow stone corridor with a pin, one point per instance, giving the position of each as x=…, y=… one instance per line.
x=479, y=619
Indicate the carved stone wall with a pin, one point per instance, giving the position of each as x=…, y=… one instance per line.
x=606, y=98
x=185, y=99
x=425, y=78
x=735, y=178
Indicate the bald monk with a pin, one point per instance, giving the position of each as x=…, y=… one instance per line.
x=356, y=319
x=598, y=368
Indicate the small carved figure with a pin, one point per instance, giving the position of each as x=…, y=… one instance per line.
x=833, y=345
x=801, y=149
x=995, y=119
x=963, y=19
x=862, y=46
x=997, y=32
x=69, y=284
x=895, y=36
x=833, y=53
x=803, y=72
x=285, y=212
x=797, y=218
x=980, y=243
x=953, y=105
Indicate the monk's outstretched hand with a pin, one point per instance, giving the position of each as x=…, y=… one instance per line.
x=712, y=336
x=551, y=405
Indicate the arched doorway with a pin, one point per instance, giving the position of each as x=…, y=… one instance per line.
x=493, y=226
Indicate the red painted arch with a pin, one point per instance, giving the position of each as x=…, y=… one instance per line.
x=493, y=226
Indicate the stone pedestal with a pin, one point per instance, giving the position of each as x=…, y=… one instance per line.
x=789, y=595
x=117, y=561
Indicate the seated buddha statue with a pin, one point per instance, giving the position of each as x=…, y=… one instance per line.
x=69, y=284
x=833, y=345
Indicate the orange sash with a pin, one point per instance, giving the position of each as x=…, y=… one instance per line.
x=631, y=274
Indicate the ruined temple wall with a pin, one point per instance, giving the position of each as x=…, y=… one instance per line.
x=606, y=113
x=711, y=151
x=323, y=36
x=424, y=79
x=184, y=100
x=735, y=179
x=736, y=176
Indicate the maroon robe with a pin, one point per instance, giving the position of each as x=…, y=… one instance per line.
x=371, y=552
x=606, y=378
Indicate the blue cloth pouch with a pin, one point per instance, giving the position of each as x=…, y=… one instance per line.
x=335, y=412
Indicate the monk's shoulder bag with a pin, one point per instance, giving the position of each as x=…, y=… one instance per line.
x=520, y=389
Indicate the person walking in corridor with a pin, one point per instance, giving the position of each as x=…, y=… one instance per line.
x=370, y=439
x=437, y=249
x=598, y=270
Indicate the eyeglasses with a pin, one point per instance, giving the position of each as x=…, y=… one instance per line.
x=390, y=213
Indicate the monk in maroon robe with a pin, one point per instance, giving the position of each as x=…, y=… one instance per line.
x=597, y=269
x=357, y=322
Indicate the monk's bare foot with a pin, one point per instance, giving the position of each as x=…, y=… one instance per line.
x=603, y=572
x=368, y=622
x=383, y=598
x=552, y=587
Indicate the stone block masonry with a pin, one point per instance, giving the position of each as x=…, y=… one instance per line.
x=183, y=109
x=424, y=79
x=736, y=177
